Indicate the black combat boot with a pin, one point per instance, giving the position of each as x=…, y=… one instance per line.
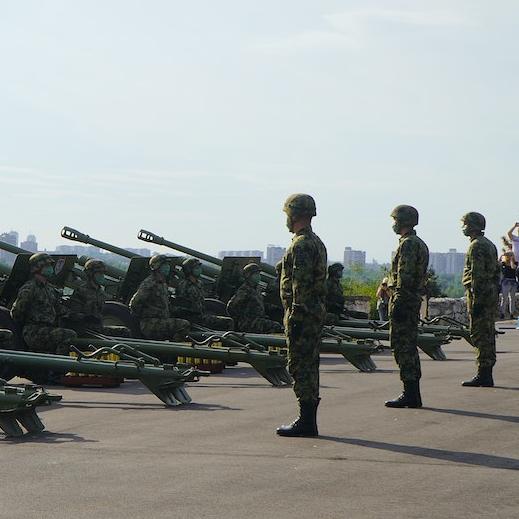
x=409, y=398
x=306, y=424
x=483, y=378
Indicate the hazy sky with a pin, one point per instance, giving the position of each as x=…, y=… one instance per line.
x=196, y=119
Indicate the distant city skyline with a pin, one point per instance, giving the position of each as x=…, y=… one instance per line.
x=449, y=262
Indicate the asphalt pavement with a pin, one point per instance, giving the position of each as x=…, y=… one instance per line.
x=119, y=453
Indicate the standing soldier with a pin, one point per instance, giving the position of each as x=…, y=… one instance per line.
x=36, y=310
x=246, y=307
x=88, y=300
x=150, y=304
x=481, y=281
x=407, y=281
x=303, y=294
x=190, y=301
x=334, y=294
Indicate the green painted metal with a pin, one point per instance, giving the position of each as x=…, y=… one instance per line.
x=74, y=235
x=163, y=380
x=453, y=328
x=18, y=408
x=357, y=353
x=269, y=365
x=150, y=237
x=429, y=343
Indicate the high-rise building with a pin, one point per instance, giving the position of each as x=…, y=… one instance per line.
x=12, y=239
x=30, y=243
x=451, y=262
x=274, y=254
x=240, y=253
x=354, y=257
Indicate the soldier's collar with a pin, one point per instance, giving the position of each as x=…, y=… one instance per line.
x=304, y=230
x=412, y=232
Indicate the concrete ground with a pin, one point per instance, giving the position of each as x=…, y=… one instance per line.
x=119, y=453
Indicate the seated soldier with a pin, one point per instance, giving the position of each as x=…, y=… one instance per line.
x=190, y=302
x=36, y=310
x=151, y=305
x=246, y=306
x=86, y=303
x=335, y=295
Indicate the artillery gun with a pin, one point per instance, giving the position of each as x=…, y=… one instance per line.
x=357, y=354
x=272, y=367
x=18, y=408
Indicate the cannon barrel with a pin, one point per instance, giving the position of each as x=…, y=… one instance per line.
x=74, y=235
x=12, y=248
x=150, y=237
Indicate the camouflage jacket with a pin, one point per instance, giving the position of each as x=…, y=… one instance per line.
x=87, y=302
x=409, y=267
x=334, y=296
x=247, y=303
x=151, y=299
x=481, y=272
x=190, y=296
x=303, y=276
x=36, y=303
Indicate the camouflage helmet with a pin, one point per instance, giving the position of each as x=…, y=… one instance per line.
x=335, y=267
x=93, y=266
x=39, y=260
x=189, y=264
x=405, y=215
x=250, y=269
x=474, y=221
x=300, y=204
x=158, y=260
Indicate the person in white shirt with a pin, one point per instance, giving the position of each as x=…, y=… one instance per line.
x=515, y=241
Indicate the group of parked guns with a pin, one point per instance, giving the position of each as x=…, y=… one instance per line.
x=154, y=363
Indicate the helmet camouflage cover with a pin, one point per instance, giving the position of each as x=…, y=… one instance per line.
x=300, y=204
x=93, y=265
x=335, y=267
x=158, y=260
x=250, y=269
x=475, y=221
x=405, y=215
x=40, y=260
x=189, y=264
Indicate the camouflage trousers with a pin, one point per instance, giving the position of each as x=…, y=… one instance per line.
x=215, y=322
x=115, y=331
x=81, y=328
x=303, y=338
x=48, y=339
x=404, y=316
x=164, y=329
x=482, y=317
x=258, y=325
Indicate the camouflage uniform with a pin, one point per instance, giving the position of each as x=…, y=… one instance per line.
x=303, y=293
x=334, y=295
x=481, y=280
x=150, y=304
x=189, y=301
x=86, y=311
x=35, y=309
x=247, y=309
x=408, y=273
